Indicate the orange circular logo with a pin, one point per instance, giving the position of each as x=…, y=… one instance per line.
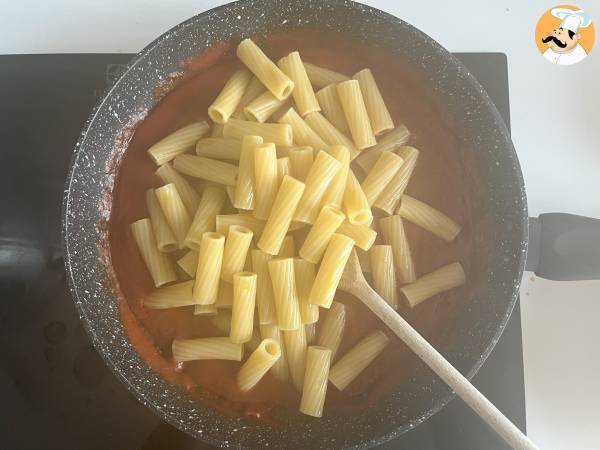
x=565, y=35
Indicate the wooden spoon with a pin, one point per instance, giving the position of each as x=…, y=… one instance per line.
x=353, y=282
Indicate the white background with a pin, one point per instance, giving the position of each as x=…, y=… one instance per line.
x=555, y=114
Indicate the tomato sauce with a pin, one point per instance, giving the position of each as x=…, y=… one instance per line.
x=439, y=179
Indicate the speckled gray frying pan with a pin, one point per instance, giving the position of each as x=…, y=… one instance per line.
x=499, y=254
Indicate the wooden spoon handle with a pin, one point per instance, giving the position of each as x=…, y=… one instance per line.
x=446, y=371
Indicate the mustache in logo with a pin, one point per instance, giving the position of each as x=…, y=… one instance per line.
x=555, y=40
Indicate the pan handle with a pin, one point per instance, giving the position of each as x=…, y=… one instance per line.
x=564, y=247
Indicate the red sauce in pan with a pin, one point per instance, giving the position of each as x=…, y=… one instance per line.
x=439, y=179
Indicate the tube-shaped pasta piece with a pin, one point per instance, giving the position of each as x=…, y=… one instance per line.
x=356, y=205
x=389, y=142
x=244, y=189
x=189, y=263
x=224, y=221
x=331, y=331
x=331, y=269
x=330, y=134
x=262, y=107
x=228, y=99
x=219, y=148
x=332, y=108
x=379, y=116
x=303, y=93
x=265, y=177
x=206, y=348
x=280, y=218
x=316, y=376
x=318, y=179
x=334, y=194
x=242, y=311
x=277, y=82
x=207, y=169
x=380, y=175
x=364, y=260
x=428, y=218
x=206, y=310
x=389, y=199
x=363, y=235
x=158, y=264
x=283, y=169
x=188, y=194
x=258, y=364
x=383, y=273
x=172, y=296
x=285, y=295
x=296, y=346
x=235, y=252
x=264, y=288
x=356, y=114
x=328, y=221
x=217, y=130
x=278, y=133
x=288, y=248
x=301, y=159
x=280, y=369
x=253, y=90
x=174, y=211
x=392, y=229
x=440, y=280
x=304, y=274
x=225, y=296
x=210, y=205
x=177, y=142
x=311, y=333
x=210, y=259
x=320, y=76
x=254, y=341
x=165, y=239
x=303, y=134
x=357, y=359
x=222, y=322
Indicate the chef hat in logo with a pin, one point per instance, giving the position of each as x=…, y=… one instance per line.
x=571, y=20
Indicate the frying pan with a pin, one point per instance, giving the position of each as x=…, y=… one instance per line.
x=500, y=221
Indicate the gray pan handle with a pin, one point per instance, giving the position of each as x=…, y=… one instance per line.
x=564, y=247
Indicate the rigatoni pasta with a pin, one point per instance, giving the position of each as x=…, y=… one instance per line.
x=288, y=247
x=301, y=160
x=174, y=212
x=363, y=235
x=264, y=69
x=189, y=195
x=258, y=364
x=319, y=176
x=320, y=76
x=278, y=133
x=206, y=310
x=209, y=207
x=172, y=296
x=332, y=108
x=357, y=359
x=392, y=229
x=303, y=93
x=210, y=259
x=356, y=205
x=263, y=107
x=328, y=221
x=315, y=381
x=228, y=99
x=331, y=269
x=189, y=263
x=264, y=288
x=334, y=195
x=304, y=273
x=177, y=142
x=379, y=116
x=242, y=311
x=206, y=169
x=296, y=347
x=303, y=134
x=165, y=239
x=245, y=186
x=219, y=148
x=389, y=198
x=356, y=115
x=280, y=218
x=330, y=134
x=206, y=348
x=429, y=218
x=331, y=331
x=380, y=175
x=265, y=179
x=383, y=273
x=236, y=248
x=283, y=169
x=224, y=221
x=280, y=369
x=253, y=90
x=391, y=141
x=285, y=294
x=440, y=280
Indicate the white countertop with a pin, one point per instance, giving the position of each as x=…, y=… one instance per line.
x=555, y=119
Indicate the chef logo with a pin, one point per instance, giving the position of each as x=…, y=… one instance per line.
x=565, y=35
